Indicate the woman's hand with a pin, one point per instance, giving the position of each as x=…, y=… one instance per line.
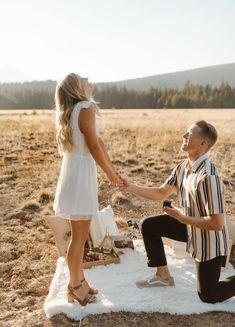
x=115, y=179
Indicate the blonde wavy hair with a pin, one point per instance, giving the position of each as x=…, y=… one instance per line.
x=68, y=92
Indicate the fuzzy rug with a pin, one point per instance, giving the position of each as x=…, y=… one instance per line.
x=118, y=292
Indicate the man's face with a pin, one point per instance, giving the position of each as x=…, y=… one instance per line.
x=192, y=139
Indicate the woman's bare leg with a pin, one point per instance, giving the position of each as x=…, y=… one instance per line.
x=79, y=234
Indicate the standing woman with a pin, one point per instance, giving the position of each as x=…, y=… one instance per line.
x=76, y=195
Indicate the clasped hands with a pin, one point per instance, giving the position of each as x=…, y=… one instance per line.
x=115, y=179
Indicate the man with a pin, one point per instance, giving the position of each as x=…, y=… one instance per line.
x=200, y=222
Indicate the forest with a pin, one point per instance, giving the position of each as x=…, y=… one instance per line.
x=40, y=95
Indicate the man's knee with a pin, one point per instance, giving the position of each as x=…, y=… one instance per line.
x=148, y=224
x=144, y=224
x=207, y=298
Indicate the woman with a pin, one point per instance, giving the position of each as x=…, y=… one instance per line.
x=76, y=195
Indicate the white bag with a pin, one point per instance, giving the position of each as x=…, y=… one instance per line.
x=61, y=229
x=104, y=224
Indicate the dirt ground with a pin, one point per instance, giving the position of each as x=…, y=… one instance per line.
x=144, y=146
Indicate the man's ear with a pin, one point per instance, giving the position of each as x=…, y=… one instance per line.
x=204, y=142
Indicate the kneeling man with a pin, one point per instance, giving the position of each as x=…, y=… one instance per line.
x=200, y=222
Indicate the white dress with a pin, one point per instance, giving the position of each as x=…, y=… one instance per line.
x=76, y=196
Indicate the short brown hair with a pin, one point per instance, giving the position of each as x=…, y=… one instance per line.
x=208, y=131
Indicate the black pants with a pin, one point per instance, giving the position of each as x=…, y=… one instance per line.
x=209, y=288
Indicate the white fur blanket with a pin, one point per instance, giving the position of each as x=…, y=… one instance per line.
x=118, y=292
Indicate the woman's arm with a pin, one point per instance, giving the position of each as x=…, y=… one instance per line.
x=87, y=127
x=104, y=150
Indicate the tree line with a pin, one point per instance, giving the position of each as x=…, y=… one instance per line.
x=40, y=95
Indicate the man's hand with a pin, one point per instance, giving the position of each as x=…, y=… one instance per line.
x=126, y=186
x=174, y=213
x=210, y=222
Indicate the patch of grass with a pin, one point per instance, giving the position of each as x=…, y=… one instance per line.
x=121, y=223
x=26, y=157
x=31, y=205
x=119, y=198
x=132, y=161
x=6, y=178
x=138, y=169
x=44, y=197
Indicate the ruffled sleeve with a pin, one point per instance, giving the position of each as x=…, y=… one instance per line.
x=84, y=104
x=87, y=104
x=77, y=108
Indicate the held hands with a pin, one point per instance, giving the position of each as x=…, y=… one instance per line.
x=115, y=179
x=126, y=186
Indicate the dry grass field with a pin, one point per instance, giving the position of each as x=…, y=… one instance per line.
x=144, y=146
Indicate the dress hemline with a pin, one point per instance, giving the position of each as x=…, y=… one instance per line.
x=76, y=217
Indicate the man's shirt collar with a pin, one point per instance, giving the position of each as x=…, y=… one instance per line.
x=197, y=163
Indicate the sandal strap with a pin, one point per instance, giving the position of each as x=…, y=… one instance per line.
x=77, y=287
x=90, y=298
x=70, y=288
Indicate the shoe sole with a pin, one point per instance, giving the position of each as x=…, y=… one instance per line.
x=158, y=284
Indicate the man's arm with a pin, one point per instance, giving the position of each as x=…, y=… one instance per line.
x=150, y=193
x=210, y=222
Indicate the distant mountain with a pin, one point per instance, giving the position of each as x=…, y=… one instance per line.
x=209, y=87
x=14, y=78
x=10, y=74
x=213, y=75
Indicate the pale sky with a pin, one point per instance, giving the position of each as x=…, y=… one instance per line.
x=110, y=40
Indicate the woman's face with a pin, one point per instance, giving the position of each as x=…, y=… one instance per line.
x=87, y=86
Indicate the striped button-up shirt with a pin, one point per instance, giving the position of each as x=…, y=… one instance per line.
x=200, y=191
